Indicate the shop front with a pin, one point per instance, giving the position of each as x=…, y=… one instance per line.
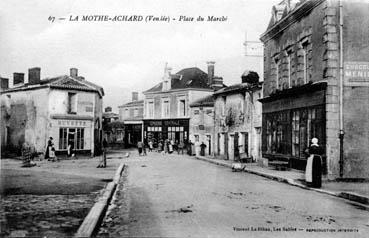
x=77, y=132
x=171, y=129
x=290, y=121
x=132, y=133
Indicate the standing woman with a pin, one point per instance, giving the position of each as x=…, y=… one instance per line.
x=48, y=148
x=313, y=172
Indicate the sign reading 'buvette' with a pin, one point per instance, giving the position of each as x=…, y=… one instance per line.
x=356, y=73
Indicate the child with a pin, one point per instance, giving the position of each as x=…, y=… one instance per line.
x=52, y=156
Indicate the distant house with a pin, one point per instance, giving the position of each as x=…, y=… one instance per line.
x=67, y=108
x=166, y=105
x=113, y=128
x=131, y=114
x=202, y=123
x=237, y=120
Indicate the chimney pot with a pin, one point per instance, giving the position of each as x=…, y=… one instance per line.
x=34, y=75
x=210, y=72
x=74, y=72
x=134, y=96
x=18, y=78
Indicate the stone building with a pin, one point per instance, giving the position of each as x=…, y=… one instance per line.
x=166, y=105
x=306, y=94
x=202, y=123
x=237, y=121
x=131, y=114
x=67, y=108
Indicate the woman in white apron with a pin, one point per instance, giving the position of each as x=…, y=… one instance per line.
x=313, y=172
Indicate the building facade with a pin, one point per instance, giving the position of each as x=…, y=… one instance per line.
x=202, y=123
x=166, y=105
x=67, y=108
x=238, y=121
x=131, y=114
x=306, y=95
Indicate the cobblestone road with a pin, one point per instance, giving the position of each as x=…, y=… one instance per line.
x=176, y=196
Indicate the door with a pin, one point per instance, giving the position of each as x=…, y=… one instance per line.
x=208, y=137
x=231, y=147
x=226, y=145
x=218, y=143
x=236, y=149
x=71, y=136
x=246, y=143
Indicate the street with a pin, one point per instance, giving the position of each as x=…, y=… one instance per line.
x=177, y=196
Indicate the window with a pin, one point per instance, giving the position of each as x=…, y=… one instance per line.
x=135, y=112
x=72, y=103
x=197, y=138
x=276, y=66
x=289, y=68
x=126, y=113
x=182, y=108
x=305, y=61
x=165, y=108
x=63, y=138
x=196, y=112
x=76, y=135
x=281, y=138
x=79, y=142
x=150, y=109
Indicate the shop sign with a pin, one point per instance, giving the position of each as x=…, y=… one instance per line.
x=154, y=123
x=356, y=73
x=72, y=123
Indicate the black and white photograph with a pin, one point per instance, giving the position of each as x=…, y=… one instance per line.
x=184, y=118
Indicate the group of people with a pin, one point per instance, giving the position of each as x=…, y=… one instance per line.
x=163, y=146
x=50, y=150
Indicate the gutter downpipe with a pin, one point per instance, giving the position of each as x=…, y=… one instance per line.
x=341, y=132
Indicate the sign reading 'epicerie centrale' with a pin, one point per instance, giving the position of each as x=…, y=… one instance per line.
x=356, y=73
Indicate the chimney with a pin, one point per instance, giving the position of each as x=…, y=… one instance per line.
x=217, y=83
x=108, y=109
x=134, y=96
x=4, y=83
x=74, y=72
x=34, y=75
x=167, y=79
x=210, y=72
x=18, y=78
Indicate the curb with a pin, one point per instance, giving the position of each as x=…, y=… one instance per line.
x=97, y=212
x=364, y=201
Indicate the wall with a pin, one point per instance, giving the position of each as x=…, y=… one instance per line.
x=59, y=102
x=173, y=96
x=356, y=98
x=205, y=117
x=246, y=115
x=310, y=28
x=27, y=118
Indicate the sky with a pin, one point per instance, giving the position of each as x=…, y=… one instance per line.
x=129, y=56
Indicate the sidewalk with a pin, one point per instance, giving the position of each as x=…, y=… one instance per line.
x=357, y=192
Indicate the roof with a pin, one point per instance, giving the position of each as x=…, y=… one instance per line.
x=207, y=101
x=61, y=82
x=238, y=87
x=133, y=103
x=109, y=115
x=185, y=78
